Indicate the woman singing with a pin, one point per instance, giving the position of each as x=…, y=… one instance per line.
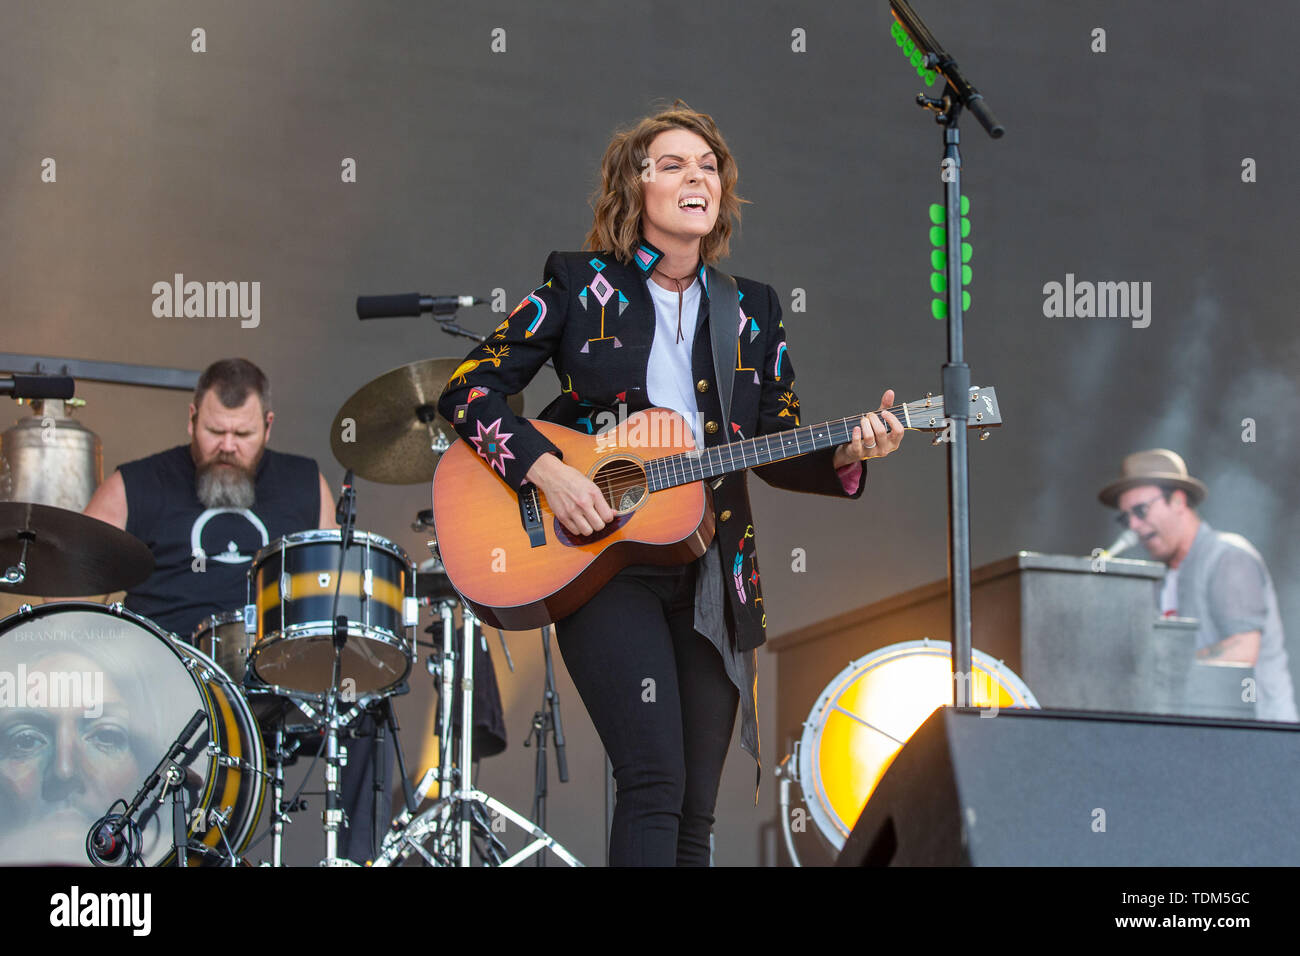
x=660, y=655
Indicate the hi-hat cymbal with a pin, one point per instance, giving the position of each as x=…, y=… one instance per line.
x=389, y=429
x=68, y=554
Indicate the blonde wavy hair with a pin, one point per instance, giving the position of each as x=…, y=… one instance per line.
x=620, y=200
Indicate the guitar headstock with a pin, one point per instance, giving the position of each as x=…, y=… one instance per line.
x=985, y=411
x=928, y=414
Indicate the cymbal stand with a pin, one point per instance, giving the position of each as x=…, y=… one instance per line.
x=460, y=806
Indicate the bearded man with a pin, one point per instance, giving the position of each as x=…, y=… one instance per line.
x=205, y=510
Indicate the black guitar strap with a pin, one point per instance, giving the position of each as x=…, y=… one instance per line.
x=724, y=329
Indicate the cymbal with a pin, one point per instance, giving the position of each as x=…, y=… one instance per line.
x=68, y=554
x=395, y=423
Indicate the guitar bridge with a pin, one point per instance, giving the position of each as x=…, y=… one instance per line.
x=530, y=516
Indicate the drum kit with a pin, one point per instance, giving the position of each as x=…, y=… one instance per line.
x=97, y=701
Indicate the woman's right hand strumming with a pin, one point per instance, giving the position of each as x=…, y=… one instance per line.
x=572, y=496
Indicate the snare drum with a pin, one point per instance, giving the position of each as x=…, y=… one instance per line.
x=292, y=582
x=96, y=695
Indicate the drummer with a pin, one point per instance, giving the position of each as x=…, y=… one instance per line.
x=205, y=510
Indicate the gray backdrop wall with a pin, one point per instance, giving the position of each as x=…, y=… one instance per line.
x=473, y=163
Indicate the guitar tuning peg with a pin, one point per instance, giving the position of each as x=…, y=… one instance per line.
x=985, y=434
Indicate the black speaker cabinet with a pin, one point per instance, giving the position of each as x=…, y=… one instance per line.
x=1070, y=788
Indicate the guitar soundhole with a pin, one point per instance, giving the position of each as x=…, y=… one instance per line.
x=623, y=483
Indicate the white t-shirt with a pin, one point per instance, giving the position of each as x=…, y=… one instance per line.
x=669, y=376
x=1169, y=593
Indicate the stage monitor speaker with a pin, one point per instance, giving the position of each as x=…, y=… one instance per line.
x=1071, y=788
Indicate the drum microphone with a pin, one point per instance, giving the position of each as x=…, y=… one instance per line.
x=38, y=386
x=346, y=499
x=105, y=846
x=411, y=304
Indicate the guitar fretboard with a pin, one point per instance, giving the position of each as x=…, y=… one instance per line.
x=706, y=463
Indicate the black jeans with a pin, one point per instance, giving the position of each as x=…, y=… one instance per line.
x=660, y=698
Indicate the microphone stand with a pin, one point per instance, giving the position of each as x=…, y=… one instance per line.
x=116, y=823
x=547, y=720
x=957, y=93
x=334, y=760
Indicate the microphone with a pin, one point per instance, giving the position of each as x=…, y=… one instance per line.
x=346, y=499
x=104, y=845
x=411, y=304
x=1121, y=544
x=38, y=386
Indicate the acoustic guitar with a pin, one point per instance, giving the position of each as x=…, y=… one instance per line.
x=516, y=565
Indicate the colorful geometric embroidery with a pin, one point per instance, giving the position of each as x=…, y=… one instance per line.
x=646, y=258
x=491, y=443
x=735, y=430
x=596, y=264
x=462, y=411
x=537, y=320
x=740, y=365
x=541, y=310
x=601, y=288
x=780, y=354
x=753, y=330
x=738, y=568
x=500, y=331
x=588, y=421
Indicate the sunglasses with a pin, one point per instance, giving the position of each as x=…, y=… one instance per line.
x=1138, y=511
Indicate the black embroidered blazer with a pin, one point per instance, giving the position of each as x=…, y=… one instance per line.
x=594, y=317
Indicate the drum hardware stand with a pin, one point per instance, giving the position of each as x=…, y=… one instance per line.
x=281, y=816
x=460, y=805
x=544, y=720
x=333, y=815
x=18, y=573
x=787, y=772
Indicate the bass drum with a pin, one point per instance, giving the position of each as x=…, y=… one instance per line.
x=91, y=698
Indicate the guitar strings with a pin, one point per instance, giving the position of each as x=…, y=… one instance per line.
x=637, y=471
x=631, y=476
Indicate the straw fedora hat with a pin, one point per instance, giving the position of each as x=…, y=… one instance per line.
x=1155, y=466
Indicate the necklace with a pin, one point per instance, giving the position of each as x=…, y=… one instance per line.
x=677, y=280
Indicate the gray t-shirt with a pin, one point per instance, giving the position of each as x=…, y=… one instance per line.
x=1224, y=583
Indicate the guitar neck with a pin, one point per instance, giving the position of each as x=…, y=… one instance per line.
x=707, y=463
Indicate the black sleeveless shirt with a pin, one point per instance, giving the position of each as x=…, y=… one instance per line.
x=202, y=555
